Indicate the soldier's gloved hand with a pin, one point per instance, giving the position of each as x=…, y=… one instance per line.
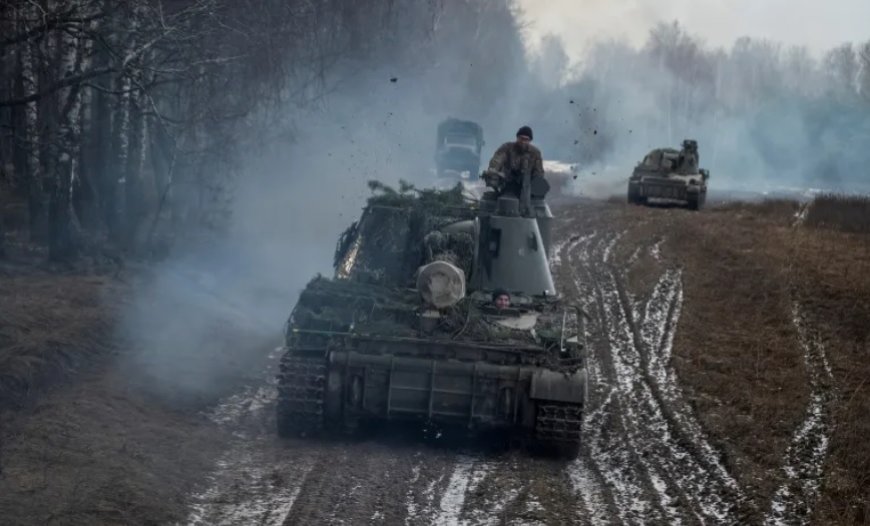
x=493, y=178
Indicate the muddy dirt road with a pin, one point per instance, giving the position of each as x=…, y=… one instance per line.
x=646, y=460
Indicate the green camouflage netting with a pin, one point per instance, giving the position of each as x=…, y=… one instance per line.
x=389, y=242
x=347, y=306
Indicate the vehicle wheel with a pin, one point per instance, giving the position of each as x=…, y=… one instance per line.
x=633, y=197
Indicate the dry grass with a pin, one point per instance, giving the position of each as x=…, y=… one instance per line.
x=51, y=325
x=737, y=352
x=736, y=349
x=116, y=445
x=833, y=270
x=775, y=211
x=98, y=453
x=847, y=213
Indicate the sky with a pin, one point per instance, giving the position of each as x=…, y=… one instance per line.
x=820, y=25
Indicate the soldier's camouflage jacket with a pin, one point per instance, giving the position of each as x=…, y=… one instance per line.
x=514, y=159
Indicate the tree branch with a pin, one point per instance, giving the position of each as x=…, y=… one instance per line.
x=65, y=82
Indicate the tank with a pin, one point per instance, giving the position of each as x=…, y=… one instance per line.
x=669, y=174
x=407, y=329
x=457, y=148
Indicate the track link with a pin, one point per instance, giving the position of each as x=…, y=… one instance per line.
x=301, y=387
x=558, y=427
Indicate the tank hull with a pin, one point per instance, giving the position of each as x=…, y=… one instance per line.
x=474, y=387
x=674, y=188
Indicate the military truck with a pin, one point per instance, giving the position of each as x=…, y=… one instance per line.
x=666, y=173
x=407, y=329
x=457, y=148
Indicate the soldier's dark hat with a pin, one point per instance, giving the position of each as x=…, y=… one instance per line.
x=525, y=130
x=500, y=292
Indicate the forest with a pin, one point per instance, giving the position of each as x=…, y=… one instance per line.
x=128, y=125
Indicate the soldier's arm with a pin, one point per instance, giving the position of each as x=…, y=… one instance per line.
x=538, y=166
x=498, y=158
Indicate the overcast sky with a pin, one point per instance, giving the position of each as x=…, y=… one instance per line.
x=818, y=24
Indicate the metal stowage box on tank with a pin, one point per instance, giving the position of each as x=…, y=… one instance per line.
x=669, y=174
x=406, y=330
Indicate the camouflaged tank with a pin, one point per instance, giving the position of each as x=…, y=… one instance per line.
x=407, y=330
x=666, y=173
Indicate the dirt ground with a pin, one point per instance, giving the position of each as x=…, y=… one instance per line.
x=729, y=365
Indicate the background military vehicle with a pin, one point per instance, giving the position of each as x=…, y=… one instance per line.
x=666, y=173
x=406, y=329
x=457, y=148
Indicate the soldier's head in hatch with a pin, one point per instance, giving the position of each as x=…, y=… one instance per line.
x=501, y=299
x=524, y=135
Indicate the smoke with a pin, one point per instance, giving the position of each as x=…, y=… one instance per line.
x=584, y=23
x=207, y=315
x=768, y=119
x=216, y=308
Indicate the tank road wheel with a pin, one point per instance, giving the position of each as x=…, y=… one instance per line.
x=301, y=386
x=558, y=428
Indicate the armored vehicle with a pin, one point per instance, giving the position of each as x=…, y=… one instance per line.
x=457, y=148
x=666, y=173
x=408, y=329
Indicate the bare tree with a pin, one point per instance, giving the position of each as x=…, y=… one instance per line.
x=864, y=71
x=841, y=65
x=126, y=115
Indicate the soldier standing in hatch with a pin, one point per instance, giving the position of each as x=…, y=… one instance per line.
x=688, y=161
x=513, y=159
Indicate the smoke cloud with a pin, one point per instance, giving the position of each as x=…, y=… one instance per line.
x=760, y=113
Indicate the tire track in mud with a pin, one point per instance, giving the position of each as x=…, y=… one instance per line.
x=653, y=338
x=684, y=481
x=625, y=361
x=356, y=484
x=608, y=445
x=484, y=490
x=251, y=483
x=585, y=475
x=803, y=464
x=658, y=329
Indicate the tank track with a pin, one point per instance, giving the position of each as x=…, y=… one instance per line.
x=559, y=426
x=301, y=387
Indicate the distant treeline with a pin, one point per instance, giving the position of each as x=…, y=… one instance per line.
x=122, y=119
x=760, y=110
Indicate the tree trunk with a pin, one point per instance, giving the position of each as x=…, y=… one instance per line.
x=63, y=222
x=133, y=189
x=121, y=140
x=18, y=122
x=31, y=145
x=86, y=202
